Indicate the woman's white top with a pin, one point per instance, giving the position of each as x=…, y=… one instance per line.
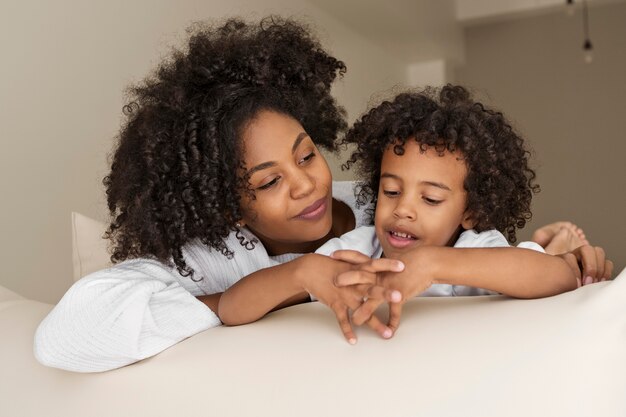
x=140, y=307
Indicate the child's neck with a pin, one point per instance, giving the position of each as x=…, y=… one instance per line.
x=455, y=236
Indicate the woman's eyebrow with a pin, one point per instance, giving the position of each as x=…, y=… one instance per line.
x=260, y=167
x=301, y=136
x=299, y=139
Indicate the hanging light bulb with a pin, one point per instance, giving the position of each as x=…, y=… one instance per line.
x=570, y=8
x=587, y=46
x=588, y=51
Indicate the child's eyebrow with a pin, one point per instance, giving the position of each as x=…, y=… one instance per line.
x=388, y=175
x=436, y=184
x=431, y=183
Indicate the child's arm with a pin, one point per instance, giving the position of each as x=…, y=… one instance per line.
x=290, y=283
x=516, y=272
x=520, y=273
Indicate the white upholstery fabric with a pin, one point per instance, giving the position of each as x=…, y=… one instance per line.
x=461, y=356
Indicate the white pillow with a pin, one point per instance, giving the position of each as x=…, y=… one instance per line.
x=89, y=248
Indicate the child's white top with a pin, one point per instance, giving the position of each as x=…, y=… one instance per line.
x=364, y=240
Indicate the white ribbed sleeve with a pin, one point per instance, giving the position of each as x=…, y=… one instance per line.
x=140, y=307
x=118, y=316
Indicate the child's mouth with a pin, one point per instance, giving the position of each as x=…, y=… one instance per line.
x=400, y=240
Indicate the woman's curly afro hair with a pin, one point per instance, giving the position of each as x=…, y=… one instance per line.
x=176, y=173
x=499, y=182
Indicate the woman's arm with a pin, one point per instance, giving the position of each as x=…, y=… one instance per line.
x=212, y=301
x=265, y=290
x=257, y=294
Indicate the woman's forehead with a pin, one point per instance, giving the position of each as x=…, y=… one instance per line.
x=271, y=133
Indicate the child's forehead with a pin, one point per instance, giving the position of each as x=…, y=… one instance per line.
x=412, y=146
x=424, y=164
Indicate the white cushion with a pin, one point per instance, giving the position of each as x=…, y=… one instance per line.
x=464, y=356
x=89, y=248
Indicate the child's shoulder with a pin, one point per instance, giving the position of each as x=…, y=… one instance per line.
x=490, y=239
x=362, y=239
x=486, y=239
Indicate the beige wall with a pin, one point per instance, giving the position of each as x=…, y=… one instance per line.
x=573, y=114
x=64, y=66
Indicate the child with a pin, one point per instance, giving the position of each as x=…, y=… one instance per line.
x=445, y=172
x=489, y=191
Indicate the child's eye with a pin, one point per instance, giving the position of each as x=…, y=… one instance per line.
x=307, y=158
x=431, y=201
x=269, y=184
x=390, y=193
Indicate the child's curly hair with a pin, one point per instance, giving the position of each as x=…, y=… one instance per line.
x=499, y=182
x=176, y=173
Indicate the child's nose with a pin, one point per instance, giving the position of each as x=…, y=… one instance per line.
x=405, y=210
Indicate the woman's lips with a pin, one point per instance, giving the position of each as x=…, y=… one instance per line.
x=315, y=211
x=400, y=240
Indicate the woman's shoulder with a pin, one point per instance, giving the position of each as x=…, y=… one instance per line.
x=215, y=271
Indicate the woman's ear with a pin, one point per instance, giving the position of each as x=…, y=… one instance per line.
x=240, y=223
x=468, y=221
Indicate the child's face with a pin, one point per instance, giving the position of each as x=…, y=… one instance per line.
x=421, y=199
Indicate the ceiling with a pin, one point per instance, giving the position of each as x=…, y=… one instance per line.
x=422, y=30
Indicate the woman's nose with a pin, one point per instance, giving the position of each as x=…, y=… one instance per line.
x=303, y=185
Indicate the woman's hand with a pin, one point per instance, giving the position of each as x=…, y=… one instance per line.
x=318, y=275
x=589, y=263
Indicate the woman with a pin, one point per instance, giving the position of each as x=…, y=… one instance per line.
x=216, y=176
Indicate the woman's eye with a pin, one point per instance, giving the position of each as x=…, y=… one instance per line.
x=431, y=201
x=307, y=158
x=390, y=193
x=269, y=184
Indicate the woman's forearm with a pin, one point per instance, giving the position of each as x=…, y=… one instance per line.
x=257, y=294
x=212, y=301
x=516, y=272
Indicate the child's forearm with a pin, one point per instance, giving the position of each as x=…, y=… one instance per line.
x=257, y=294
x=516, y=272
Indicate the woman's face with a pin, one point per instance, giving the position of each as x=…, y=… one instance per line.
x=291, y=181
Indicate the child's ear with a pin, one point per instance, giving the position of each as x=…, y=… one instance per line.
x=468, y=221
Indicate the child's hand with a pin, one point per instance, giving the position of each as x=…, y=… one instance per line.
x=401, y=286
x=589, y=264
x=343, y=299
